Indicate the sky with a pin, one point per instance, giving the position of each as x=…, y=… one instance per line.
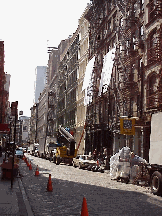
x=27, y=28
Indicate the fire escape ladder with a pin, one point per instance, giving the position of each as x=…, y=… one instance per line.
x=121, y=5
x=126, y=54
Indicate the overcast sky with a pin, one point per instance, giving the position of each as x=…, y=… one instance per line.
x=25, y=27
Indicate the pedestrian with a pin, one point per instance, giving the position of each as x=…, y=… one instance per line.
x=100, y=157
x=105, y=152
x=95, y=154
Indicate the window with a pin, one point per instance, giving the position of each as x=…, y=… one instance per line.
x=141, y=32
x=152, y=10
x=24, y=128
x=134, y=42
x=152, y=40
x=121, y=21
x=138, y=105
x=152, y=81
x=141, y=5
x=135, y=8
x=131, y=106
x=140, y=68
x=109, y=25
x=152, y=43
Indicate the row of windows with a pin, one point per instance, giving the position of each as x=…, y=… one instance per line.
x=71, y=97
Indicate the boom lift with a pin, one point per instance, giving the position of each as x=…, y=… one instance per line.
x=66, y=152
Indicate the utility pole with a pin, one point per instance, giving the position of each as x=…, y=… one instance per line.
x=13, y=113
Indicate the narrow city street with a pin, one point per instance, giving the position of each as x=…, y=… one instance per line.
x=103, y=195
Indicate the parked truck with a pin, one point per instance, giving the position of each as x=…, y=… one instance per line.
x=155, y=154
x=34, y=149
x=121, y=164
x=153, y=170
x=50, y=146
x=66, y=151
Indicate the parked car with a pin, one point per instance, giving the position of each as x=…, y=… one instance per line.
x=28, y=151
x=24, y=149
x=36, y=152
x=83, y=161
x=19, y=153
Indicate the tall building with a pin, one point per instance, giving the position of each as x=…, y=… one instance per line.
x=67, y=90
x=2, y=83
x=33, y=124
x=42, y=119
x=25, y=128
x=52, y=80
x=40, y=82
x=83, y=60
x=7, y=103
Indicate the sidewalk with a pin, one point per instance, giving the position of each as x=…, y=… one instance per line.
x=13, y=201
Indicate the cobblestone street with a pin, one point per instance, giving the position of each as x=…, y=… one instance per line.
x=104, y=196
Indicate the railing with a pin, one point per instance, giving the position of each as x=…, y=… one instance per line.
x=155, y=10
x=154, y=100
x=153, y=54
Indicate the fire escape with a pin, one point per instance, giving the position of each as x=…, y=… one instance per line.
x=127, y=88
x=97, y=109
x=154, y=56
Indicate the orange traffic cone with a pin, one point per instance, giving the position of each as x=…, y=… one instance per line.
x=84, y=211
x=37, y=171
x=30, y=166
x=49, y=185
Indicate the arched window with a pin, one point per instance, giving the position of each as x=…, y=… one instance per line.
x=152, y=44
x=151, y=90
x=152, y=81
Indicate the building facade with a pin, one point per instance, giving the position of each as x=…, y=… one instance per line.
x=24, y=125
x=52, y=80
x=33, y=124
x=133, y=33
x=68, y=70
x=42, y=119
x=3, y=92
x=83, y=60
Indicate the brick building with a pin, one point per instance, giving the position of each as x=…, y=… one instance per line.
x=133, y=31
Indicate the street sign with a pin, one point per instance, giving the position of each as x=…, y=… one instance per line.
x=127, y=126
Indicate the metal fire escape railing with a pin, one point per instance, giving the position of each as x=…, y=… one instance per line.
x=125, y=56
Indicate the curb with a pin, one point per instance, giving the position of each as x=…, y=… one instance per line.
x=25, y=199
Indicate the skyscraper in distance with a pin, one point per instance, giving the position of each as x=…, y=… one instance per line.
x=40, y=82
